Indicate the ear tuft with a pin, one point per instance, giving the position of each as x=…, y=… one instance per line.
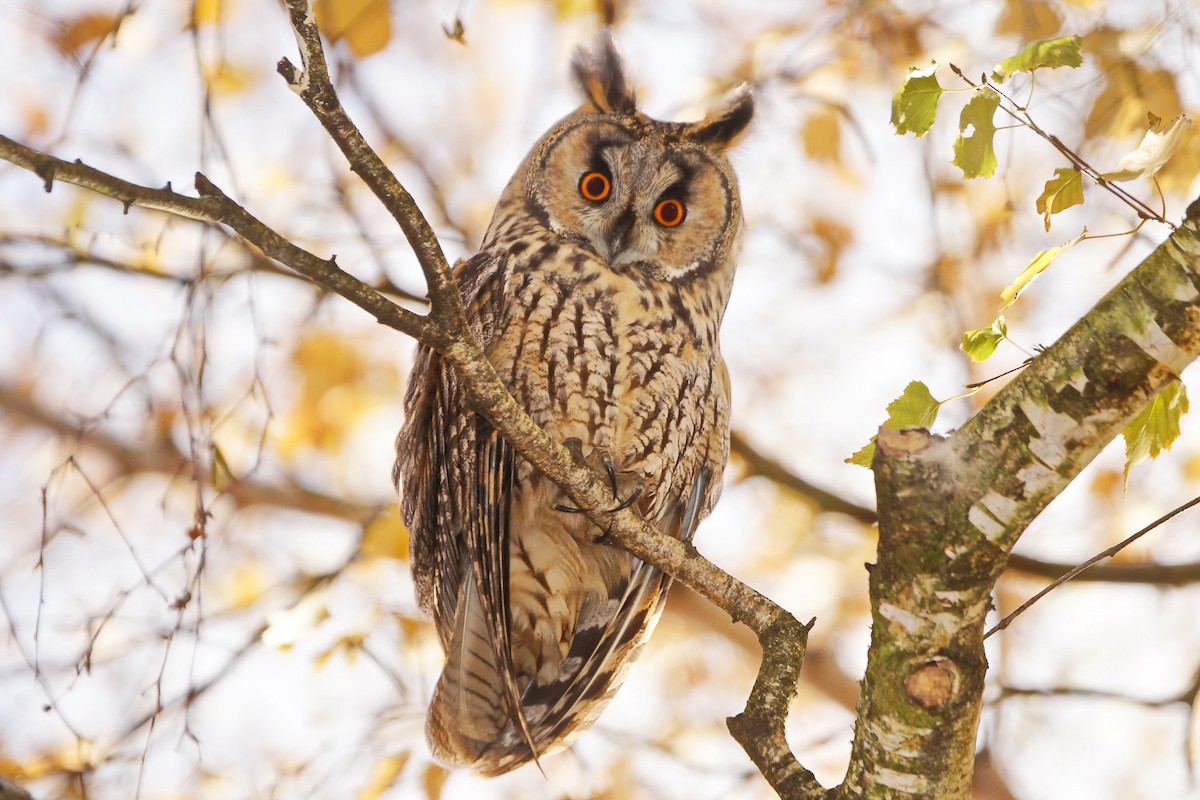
x=601, y=77
x=727, y=122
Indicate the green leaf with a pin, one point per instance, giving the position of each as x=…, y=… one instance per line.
x=1036, y=267
x=1060, y=52
x=1062, y=191
x=915, y=408
x=973, y=152
x=1156, y=148
x=981, y=343
x=1156, y=427
x=914, y=107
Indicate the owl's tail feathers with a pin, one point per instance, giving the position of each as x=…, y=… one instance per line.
x=469, y=708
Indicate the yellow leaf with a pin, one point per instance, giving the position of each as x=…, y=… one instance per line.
x=822, y=135
x=224, y=78
x=206, y=12
x=567, y=9
x=435, y=779
x=1029, y=19
x=383, y=776
x=1036, y=267
x=337, y=386
x=1184, y=166
x=1061, y=192
x=385, y=536
x=366, y=25
x=287, y=626
x=1130, y=93
x=73, y=758
x=1156, y=427
x=78, y=32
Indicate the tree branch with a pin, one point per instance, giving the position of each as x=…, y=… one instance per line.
x=763, y=465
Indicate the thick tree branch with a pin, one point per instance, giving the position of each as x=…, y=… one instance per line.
x=951, y=509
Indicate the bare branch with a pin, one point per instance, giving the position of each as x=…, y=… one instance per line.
x=1109, y=553
x=214, y=206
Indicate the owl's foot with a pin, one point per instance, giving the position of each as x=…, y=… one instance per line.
x=575, y=446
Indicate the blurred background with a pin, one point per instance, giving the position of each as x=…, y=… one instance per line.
x=204, y=589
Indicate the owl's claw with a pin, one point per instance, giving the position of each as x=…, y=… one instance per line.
x=628, y=501
x=606, y=460
x=575, y=446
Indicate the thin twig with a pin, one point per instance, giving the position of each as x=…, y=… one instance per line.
x=1112, y=551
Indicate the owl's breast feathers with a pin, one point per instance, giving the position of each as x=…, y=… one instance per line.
x=539, y=621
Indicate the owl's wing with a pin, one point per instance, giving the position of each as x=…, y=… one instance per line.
x=457, y=475
x=425, y=472
x=487, y=546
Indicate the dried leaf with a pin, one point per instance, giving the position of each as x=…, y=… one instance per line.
x=1156, y=148
x=1130, y=92
x=76, y=33
x=366, y=25
x=822, y=135
x=1029, y=19
x=383, y=776
x=434, y=779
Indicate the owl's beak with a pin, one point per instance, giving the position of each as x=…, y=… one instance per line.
x=619, y=235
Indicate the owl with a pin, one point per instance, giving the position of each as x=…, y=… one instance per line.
x=597, y=295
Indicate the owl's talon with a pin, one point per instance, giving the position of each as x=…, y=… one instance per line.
x=567, y=509
x=628, y=501
x=606, y=460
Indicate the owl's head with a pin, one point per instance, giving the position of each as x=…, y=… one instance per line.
x=656, y=197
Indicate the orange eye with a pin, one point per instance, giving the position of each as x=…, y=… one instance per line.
x=669, y=213
x=594, y=186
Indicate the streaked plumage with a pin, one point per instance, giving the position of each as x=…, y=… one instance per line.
x=601, y=315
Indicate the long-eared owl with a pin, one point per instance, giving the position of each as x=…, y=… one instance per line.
x=597, y=295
